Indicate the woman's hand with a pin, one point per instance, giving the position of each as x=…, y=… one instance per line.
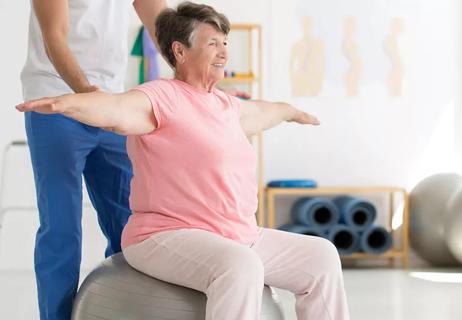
x=44, y=105
x=50, y=105
x=304, y=118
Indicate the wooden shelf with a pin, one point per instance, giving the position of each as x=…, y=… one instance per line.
x=400, y=252
x=245, y=26
x=360, y=255
x=334, y=190
x=237, y=80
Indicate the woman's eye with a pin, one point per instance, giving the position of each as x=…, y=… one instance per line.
x=225, y=43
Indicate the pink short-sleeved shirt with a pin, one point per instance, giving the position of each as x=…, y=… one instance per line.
x=196, y=170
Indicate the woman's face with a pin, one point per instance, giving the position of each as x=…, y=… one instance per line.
x=207, y=57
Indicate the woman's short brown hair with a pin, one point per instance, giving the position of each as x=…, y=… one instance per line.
x=178, y=25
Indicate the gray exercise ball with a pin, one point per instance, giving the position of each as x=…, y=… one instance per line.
x=453, y=225
x=427, y=204
x=114, y=290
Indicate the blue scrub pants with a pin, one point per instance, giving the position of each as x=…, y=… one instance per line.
x=62, y=150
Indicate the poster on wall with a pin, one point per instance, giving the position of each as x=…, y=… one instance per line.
x=343, y=48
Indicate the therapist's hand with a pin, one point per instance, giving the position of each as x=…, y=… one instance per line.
x=91, y=88
x=237, y=93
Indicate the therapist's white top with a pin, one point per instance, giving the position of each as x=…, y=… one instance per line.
x=98, y=39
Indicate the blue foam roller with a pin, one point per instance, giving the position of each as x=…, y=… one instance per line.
x=375, y=240
x=318, y=212
x=292, y=184
x=306, y=230
x=356, y=213
x=345, y=239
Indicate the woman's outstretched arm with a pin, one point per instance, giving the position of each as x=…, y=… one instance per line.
x=258, y=115
x=128, y=113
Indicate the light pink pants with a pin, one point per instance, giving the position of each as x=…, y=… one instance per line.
x=232, y=275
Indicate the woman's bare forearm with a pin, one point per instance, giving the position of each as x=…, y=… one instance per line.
x=259, y=115
x=262, y=115
x=275, y=112
x=98, y=109
x=128, y=113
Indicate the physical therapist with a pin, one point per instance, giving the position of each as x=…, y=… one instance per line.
x=76, y=46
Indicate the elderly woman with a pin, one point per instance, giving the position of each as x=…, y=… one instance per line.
x=194, y=193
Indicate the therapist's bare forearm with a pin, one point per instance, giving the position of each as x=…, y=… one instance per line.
x=98, y=109
x=53, y=18
x=66, y=64
x=148, y=11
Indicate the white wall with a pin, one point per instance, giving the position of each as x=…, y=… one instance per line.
x=13, y=30
x=458, y=100
x=371, y=139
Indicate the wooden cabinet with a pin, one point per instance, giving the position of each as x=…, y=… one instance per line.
x=398, y=210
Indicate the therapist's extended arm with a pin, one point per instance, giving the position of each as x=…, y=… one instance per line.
x=128, y=113
x=53, y=18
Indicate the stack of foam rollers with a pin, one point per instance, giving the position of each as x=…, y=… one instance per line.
x=346, y=221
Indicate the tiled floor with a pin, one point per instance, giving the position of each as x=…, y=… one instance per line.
x=372, y=295
x=398, y=295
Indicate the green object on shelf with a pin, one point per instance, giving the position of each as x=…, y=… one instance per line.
x=137, y=50
x=145, y=48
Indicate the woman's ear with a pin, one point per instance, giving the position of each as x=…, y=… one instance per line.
x=179, y=52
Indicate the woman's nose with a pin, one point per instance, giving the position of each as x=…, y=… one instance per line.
x=223, y=53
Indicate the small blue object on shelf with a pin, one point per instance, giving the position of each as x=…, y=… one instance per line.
x=292, y=183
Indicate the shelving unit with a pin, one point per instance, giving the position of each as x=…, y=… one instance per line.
x=240, y=80
x=398, y=251
x=248, y=51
